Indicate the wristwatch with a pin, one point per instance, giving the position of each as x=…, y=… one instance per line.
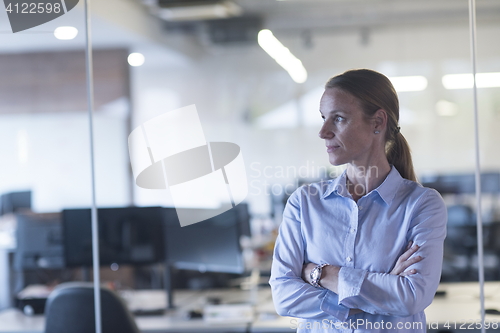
x=316, y=274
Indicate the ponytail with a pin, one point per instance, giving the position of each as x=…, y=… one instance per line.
x=398, y=154
x=375, y=91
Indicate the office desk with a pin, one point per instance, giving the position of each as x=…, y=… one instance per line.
x=266, y=318
x=459, y=308
x=14, y=321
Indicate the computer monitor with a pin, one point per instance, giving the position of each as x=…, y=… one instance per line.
x=212, y=245
x=39, y=241
x=15, y=201
x=463, y=183
x=490, y=182
x=244, y=219
x=129, y=235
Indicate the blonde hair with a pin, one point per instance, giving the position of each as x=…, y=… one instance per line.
x=375, y=91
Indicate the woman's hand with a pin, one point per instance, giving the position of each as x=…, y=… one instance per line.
x=404, y=261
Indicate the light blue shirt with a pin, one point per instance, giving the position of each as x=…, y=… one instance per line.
x=323, y=224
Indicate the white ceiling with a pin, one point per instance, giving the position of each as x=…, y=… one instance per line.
x=115, y=23
x=334, y=15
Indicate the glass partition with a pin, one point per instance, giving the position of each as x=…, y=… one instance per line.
x=255, y=75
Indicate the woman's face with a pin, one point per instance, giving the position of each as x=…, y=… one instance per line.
x=349, y=136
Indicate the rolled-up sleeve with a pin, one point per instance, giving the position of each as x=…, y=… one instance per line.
x=292, y=296
x=394, y=295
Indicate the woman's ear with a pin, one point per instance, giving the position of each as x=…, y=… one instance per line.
x=379, y=120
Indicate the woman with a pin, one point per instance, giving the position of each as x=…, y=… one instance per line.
x=343, y=255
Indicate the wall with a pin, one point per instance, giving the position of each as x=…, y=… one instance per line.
x=49, y=154
x=44, y=127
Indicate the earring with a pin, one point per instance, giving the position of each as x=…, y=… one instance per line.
x=376, y=132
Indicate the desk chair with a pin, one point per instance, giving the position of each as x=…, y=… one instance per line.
x=70, y=308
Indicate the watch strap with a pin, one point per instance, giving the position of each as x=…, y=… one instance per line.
x=316, y=274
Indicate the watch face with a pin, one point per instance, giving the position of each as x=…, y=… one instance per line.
x=315, y=274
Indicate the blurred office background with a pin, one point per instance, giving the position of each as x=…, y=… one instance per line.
x=206, y=53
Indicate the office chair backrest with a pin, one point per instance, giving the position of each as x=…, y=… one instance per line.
x=70, y=308
x=461, y=215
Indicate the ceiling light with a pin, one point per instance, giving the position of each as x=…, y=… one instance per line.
x=65, y=33
x=218, y=10
x=446, y=109
x=465, y=81
x=409, y=83
x=135, y=59
x=282, y=55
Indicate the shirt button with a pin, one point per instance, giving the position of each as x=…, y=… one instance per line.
x=353, y=230
x=360, y=207
x=349, y=259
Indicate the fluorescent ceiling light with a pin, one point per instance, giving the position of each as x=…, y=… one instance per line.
x=65, y=33
x=466, y=81
x=135, y=59
x=282, y=55
x=446, y=109
x=202, y=12
x=409, y=83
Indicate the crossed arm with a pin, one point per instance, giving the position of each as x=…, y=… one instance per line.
x=402, y=292
x=330, y=274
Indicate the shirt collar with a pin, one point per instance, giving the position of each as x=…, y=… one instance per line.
x=337, y=186
x=387, y=190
